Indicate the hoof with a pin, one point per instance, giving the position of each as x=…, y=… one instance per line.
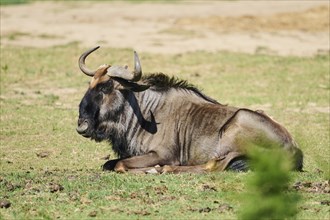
x=109, y=165
x=167, y=169
x=239, y=164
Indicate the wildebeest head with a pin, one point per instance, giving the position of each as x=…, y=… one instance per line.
x=104, y=99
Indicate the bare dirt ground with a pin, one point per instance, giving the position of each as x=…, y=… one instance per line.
x=272, y=27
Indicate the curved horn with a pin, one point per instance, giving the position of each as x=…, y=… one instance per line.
x=137, y=73
x=124, y=73
x=82, y=64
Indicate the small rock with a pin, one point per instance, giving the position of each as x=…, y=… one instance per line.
x=160, y=190
x=325, y=202
x=72, y=177
x=53, y=187
x=224, y=208
x=5, y=204
x=43, y=154
x=306, y=184
x=74, y=196
x=207, y=209
x=106, y=157
x=84, y=200
x=92, y=214
x=94, y=177
x=318, y=171
x=134, y=195
x=141, y=212
x=152, y=171
x=207, y=187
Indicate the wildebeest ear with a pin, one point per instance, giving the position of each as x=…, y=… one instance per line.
x=132, y=86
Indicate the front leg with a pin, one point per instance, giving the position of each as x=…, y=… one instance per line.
x=148, y=160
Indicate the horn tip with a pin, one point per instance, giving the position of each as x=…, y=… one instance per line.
x=136, y=55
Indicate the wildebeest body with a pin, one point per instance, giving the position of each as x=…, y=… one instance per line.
x=158, y=120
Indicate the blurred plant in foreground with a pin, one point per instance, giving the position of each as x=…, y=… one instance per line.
x=268, y=195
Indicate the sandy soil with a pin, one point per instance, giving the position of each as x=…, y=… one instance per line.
x=271, y=27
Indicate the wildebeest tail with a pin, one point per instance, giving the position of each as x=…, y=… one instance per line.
x=298, y=158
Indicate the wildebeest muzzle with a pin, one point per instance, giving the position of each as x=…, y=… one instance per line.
x=84, y=126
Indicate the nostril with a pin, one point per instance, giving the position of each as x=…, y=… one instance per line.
x=82, y=126
x=80, y=121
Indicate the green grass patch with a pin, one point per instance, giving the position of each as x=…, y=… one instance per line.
x=49, y=171
x=13, y=2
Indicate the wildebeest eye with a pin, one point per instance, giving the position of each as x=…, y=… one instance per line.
x=106, y=88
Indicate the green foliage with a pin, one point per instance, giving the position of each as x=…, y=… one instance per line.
x=268, y=196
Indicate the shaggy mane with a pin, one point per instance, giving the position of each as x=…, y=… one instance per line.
x=161, y=82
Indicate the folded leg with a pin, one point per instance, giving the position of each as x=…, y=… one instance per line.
x=148, y=160
x=216, y=164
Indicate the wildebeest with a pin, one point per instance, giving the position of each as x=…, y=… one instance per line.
x=160, y=123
